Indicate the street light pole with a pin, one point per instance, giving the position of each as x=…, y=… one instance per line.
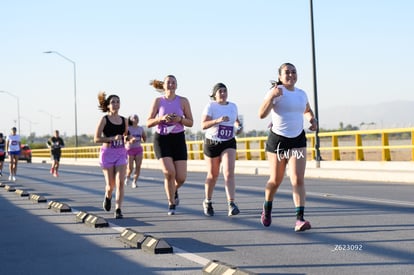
x=18, y=108
x=315, y=90
x=74, y=94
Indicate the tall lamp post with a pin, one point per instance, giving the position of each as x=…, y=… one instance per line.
x=315, y=90
x=18, y=108
x=74, y=89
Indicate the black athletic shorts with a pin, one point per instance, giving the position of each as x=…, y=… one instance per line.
x=171, y=145
x=214, y=148
x=278, y=144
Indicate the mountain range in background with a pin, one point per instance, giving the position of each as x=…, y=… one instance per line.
x=393, y=114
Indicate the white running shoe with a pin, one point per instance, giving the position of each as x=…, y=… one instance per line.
x=134, y=184
x=13, y=178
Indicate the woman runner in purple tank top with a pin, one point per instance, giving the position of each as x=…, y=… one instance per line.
x=134, y=149
x=170, y=113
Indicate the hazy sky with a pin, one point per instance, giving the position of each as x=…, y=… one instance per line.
x=364, y=55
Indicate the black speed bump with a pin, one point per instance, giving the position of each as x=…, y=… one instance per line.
x=95, y=221
x=133, y=238
x=217, y=268
x=59, y=207
x=9, y=188
x=81, y=216
x=21, y=193
x=2, y=185
x=37, y=198
x=156, y=246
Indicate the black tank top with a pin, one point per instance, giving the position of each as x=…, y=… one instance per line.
x=111, y=129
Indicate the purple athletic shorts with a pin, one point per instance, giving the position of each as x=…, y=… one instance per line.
x=135, y=151
x=111, y=157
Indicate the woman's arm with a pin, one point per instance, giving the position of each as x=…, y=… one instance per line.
x=267, y=104
x=187, y=119
x=98, y=138
x=152, y=119
x=309, y=115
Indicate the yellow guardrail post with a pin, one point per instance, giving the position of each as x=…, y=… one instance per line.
x=313, y=151
x=335, y=152
x=248, y=152
x=191, y=151
x=412, y=144
x=262, y=149
x=359, y=152
x=385, y=152
x=200, y=149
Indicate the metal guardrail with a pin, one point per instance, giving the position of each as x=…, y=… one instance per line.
x=342, y=145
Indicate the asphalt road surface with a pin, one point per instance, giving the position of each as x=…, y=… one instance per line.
x=357, y=227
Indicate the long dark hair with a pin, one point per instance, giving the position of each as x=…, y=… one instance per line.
x=104, y=101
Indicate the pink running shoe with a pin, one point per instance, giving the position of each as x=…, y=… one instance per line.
x=302, y=226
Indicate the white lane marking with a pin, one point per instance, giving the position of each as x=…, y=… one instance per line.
x=190, y=256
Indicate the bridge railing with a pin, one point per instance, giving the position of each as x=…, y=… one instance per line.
x=360, y=145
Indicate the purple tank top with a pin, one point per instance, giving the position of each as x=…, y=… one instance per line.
x=137, y=133
x=169, y=107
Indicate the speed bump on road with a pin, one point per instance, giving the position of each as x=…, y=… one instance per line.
x=21, y=193
x=156, y=246
x=37, y=198
x=215, y=267
x=59, y=207
x=81, y=216
x=132, y=238
x=9, y=188
x=2, y=185
x=95, y=221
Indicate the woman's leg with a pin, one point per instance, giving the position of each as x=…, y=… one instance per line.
x=213, y=170
x=138, y=163
x=168, y=169
x=120, y=172
x=229, y=162
x=297, y=165
x=277, y=173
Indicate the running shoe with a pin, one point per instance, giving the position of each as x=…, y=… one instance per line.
x=56, y=174
x=177, y=198
x=13, y=178
x=208, y=208
x=266, y=218
x=10, y=178
x=233, y=209
x=171, y=210
x=126, y=180
x=302, y=226
x=107, y=204
x=134, y=184
x=118, y=214
x=52, y=170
